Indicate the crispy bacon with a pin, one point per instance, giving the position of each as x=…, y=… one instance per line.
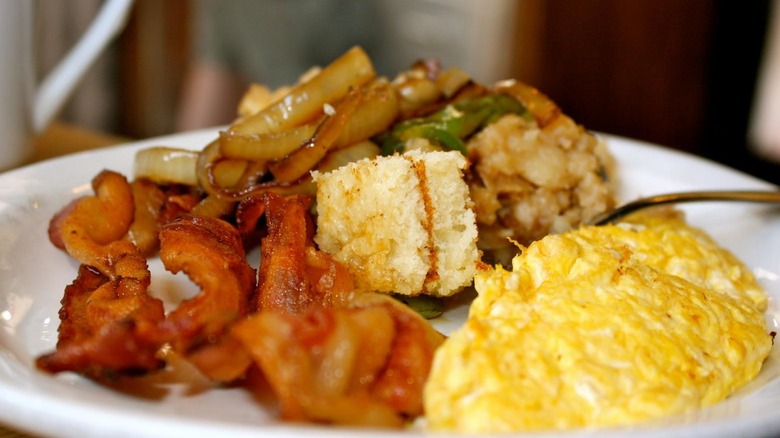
x=314, y=362
x=90, y=229
x=329, y=356
x=210, y=252
x=108, y=317
x=283, y=285
x=107, y=326
x=329, y=353
x=329, y=280
x=223, y=360
x=343, y=365
x=400, y=385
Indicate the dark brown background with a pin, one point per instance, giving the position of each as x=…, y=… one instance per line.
x=677, y=73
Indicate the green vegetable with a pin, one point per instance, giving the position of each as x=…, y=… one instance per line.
x=427, y=306
x=452, y=124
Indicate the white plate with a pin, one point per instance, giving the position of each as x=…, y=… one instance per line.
x=33, y=275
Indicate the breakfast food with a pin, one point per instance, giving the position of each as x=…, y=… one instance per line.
x=352, y=186
x=601, y=326
x=531, y=169
x=532, y=176
x=400, y=223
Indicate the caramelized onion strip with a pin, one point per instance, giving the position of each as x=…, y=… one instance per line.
x=376, y=111
x=544, y=110
x=297, y=164
x=228, y=173
x=270, y=146
x=206, y=160
x=167, y=165
x=304, y=102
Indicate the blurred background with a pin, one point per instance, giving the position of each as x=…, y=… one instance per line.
x=695, y=75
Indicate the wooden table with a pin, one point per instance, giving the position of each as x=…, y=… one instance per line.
x=62, y=139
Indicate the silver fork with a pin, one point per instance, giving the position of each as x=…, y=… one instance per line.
x=764, y=196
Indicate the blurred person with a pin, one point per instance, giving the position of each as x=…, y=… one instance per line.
x=271, y=42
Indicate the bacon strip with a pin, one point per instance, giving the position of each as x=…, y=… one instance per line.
x=313, y=362
x=344, y=365
x=283, y=284
x=107, y=315
x=91, y=228
x=329, y=353
x=118, y=337
x=212, y=255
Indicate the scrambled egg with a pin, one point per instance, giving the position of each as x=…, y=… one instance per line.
x=601, y=326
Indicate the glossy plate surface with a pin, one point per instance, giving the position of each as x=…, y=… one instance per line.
x=33, y=275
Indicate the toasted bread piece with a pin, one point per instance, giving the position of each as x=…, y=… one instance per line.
x=400, y=223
